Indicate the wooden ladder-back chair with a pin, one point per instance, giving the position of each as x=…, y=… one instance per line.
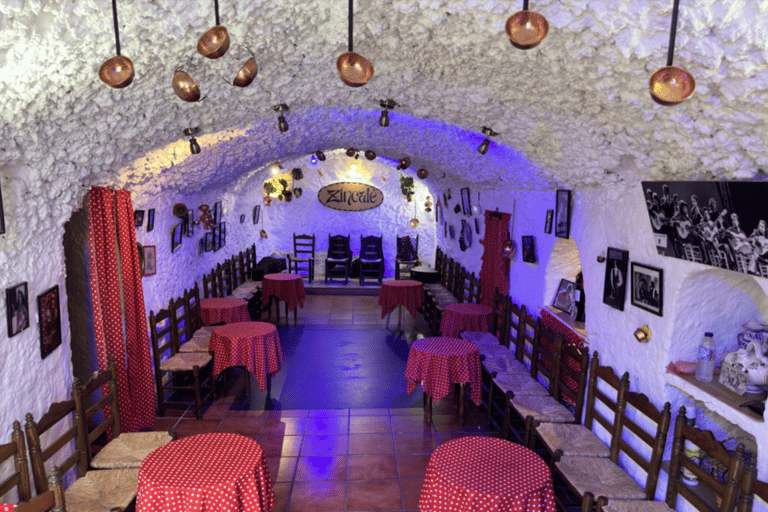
x=19, y=478
x=339, y=258
x=459, y=273
x=210, y=289
x=177, y=372
x=446, y=277
x=407, y=255
x=751, y=486
x=603, y=477
x=438, y=258
x=529, y=339
x=568, y=439
x=102, y=489
x=50, y=501
x=499, y=318
x=224, y=278
x=125, y=449
x=198, y=336
x=303, y=259
x=371, y=259
x=251, y=254
x=247, y=262
x=515, y=318
x=474, y=289
x=238, y=270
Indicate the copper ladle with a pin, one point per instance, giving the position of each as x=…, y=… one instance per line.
x=671, y=85
x=117, y=71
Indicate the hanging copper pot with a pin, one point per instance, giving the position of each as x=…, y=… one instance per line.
x=351, y=152
x=422, y=173
x=246, y=74
x=117, y=72
x=180, y=210
x=526, y=29
x=414, y=222
x=370, y=155
x=354, y=69
x=263, y=234
x=320, y=156
x=185, y=87
x=671, y=85
x=214, y=43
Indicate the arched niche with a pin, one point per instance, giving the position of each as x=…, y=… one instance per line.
x=564, y=263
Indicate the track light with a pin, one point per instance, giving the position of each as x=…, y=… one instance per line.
x=282, y=124
x=386, y=105
x=488, y=132
x=194, y=147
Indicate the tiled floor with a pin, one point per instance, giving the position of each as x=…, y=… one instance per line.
x=340, y=460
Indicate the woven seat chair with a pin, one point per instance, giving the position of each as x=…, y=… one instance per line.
x=50, y=501
x=339, y=258
x=97, y=490
x=125, y=449
x=407, y=255
x=224, y=279
x=19, y=478
x=238, y=270
x=303, y=259
x=210, y=290
x=193, y=335
x=371, y=259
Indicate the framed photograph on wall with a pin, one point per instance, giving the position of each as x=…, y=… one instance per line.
x=217, y=212
x=529, y=249
x=17, y=307
x=566, y=296
x=548, y=222
x=190, y=223
x=176, y=236
x=223, y=233
x=242, y=218
x=216, y=238
x=466, y=202
x=50, y=321
x=614, y=290
x=150, y=219
x=563, y=214
x=256, y=214
x=209, y=245
x=150, y=263
x=648, y=288
x=2, y=215
x=138, y=218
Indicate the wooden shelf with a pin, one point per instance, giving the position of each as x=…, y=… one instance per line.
x=565, y=319
x=708, y=392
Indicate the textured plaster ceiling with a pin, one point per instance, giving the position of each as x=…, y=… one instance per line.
x=572, y=112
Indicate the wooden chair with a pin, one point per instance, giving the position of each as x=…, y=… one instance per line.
x=407, y=255
x=19, y=478
x=303, y=259
x=604, y=477
x=751, y=486
x=194, y=336
x=459, y=273
x=251, y=258
x=438, y=258
x=371, y=259
x=339, y=258
x=210, y=290
x=124, y=450
x=515, y=318
x=499, y=318
x=472, y=288
x=224, y=278
x=103, y=489
x=177, y=372
x=238, y=270
x=50, y=501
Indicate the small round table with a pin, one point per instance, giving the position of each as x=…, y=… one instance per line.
x=426, y=275
x=480, y=474
x=223, y=309
x=464, y=317
x=255, y=345
x=286, y=287
x=437, y=363
x=206, y=473
x=399, y=293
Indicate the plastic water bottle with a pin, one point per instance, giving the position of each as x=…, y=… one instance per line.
x=705, y=363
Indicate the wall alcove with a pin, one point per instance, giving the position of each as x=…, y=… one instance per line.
x=564, y=263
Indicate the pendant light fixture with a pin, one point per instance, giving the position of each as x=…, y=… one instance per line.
x=415, y=221
x=117, y=71
x=282, y=124
x=215, y=42
x=185, y=86
x=386, y=105
x=354, y=69
x=488, y=132
x=526, y=29
x=671, y=85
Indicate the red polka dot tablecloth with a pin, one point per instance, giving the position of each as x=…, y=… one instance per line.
x=464, y=317
x=206, y=473
x=571, y=337
x=224, y=309
x=255, y=345
x=6, y=507
x=438, y=363
x=287, y=287
x=485, y=474
x=401, y=293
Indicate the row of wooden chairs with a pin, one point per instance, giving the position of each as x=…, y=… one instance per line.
x=104, y=481
x=225, y=277
x=456, y=285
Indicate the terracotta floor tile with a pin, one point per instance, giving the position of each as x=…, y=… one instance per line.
x=413, y=467
x=369, y=412
x=372, y=467
x=165, y=424
x=289, y=413
x=327, y=425
x=247, y=414
x=287, y=446
x=410, y=424
x=283, y=426
x=410, y=411
x=217, y=410
x=369, y=495
x=321, y=468
x=186, y=428
x=411, y=492
x=245, y=426
x=328, y=412
x=282, y=494
x=282, y=469
x=415, y=443
x=369, y=424
x=317, y=497
x=371, y=443
x=335, y=444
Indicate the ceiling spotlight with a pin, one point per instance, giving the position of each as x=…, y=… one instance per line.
x=403, y=163
x=488, y=132
x=387, y=105
x=526, y=29
x=215, y=42
x=282, y=124
x=194, y=147
x=370, y=155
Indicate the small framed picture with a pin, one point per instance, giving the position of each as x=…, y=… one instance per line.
x=176, y=236
x=256, y=214
x=438, y=212
x=562, y=214
x=648, y=288
x=566, y=297
x=138, y=218
x=466, y=202
x=217, y=212
x=190, y=223
x=242, y=218
x=223, y=233
x=2, y=215
x=50, y=321
x=529, y=249
x=209, y=245
x=216, y=238
x=150, y=219
x=548, y=222
x=615, y=287
x=17, y=306
x=150, y=263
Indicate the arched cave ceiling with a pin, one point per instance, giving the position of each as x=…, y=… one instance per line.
x=573, y=112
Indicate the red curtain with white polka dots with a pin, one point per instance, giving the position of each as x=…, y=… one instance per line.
x=120, y=324
x=494, y=272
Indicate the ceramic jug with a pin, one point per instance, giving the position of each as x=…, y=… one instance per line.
x=753, y=363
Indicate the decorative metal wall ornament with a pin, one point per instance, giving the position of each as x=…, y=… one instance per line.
x=386, y=106
x=671, y=85
x=185, y=86
x=354, y=69
x=526, y=29
x=488, y=132
x=215, y=42
x=117, y=71
x=247, y=73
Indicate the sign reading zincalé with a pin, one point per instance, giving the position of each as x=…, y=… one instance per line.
x=350, y=197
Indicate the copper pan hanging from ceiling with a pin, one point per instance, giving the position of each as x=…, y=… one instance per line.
x=354, y=69
x=247, y=73
x=117, y=71
x=185, y=86
x=526, y=29
x=215, y=42
x=671, y=85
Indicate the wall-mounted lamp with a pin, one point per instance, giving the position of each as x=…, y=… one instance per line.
x=194, y=147
x=488, y=132
x=643, y=334
x=386, y=105
x=282, y=124
x=509, y=250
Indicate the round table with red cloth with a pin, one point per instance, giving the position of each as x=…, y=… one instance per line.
x=287, y=287
x=438, y=363
x=206, y=473
x=484, y=474
x=404, y=292
x=255, y=345
x=7, y=507
x=223, y=309
x=464, y=317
